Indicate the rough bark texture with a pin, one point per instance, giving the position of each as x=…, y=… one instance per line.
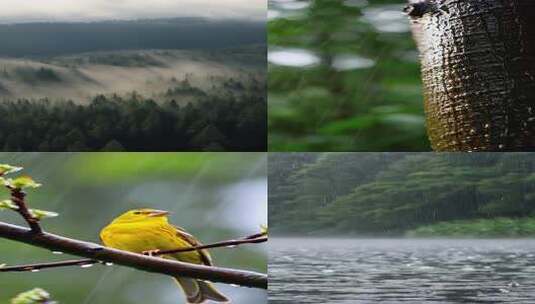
x=478, y=72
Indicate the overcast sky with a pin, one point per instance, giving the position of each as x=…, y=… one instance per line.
x=91, y=10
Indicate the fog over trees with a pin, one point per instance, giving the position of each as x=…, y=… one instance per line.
x=178, y=84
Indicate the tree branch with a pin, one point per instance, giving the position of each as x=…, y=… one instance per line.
x=97, y=252
x=252, y=239
x=17, y=197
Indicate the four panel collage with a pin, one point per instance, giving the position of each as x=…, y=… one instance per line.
x=267, y=151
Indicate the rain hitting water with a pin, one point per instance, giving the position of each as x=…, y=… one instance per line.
x=401, y=271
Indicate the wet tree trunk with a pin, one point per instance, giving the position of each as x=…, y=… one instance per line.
x=478, y=72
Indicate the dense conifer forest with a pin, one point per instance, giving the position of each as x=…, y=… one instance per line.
x=114, y=123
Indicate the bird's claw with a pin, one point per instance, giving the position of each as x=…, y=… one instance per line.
x=151, y=252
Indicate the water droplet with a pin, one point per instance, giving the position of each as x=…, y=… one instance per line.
x=35, y=270
x=57, y=252
x=501, y=146
x=231, y=246
x=351, y=62
x=108, y=264
x=487, y=126
x=86, y=265
x=293, y=58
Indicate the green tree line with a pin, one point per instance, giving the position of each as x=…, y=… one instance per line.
x=134, y=123
x=393, y=193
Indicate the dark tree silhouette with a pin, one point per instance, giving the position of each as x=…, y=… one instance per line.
x=113, y=123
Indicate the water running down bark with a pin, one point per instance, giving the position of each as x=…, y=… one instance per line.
x=478, y=72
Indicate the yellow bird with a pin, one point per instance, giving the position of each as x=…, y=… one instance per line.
x=145, y=230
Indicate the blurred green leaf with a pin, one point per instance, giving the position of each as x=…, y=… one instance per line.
x=113, y=168
x=264, y=229
x=34, y=296
x=41, y=214
x=350, y=125
x=6, y=169
x=8, y=204
x=22, y=182
x=332, y=107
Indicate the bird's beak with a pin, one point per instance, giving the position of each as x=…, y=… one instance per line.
x=157, y=213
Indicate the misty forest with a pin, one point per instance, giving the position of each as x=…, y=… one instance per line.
x=402, y=194
x=149, y=85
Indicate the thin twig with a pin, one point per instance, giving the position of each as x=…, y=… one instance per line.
x=95, y=252
x=230, y=243
x=39, y=266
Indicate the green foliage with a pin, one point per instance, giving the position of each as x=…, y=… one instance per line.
x=14, y=185
x=498, y=227
x=6, y=169
x=135, y=124
x=21, y=182
x=8, y=204
x=121, y=167
x=34, y=296
x=375, y=107
x=381, y=193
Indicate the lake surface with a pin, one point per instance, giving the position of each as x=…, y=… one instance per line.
x=408, y=271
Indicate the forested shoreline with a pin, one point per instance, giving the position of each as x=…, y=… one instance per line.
x=134, y=123
x=393, y=194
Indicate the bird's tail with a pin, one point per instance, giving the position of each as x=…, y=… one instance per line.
x=198, y=291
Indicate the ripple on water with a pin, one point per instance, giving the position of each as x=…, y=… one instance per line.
x=369, y=271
